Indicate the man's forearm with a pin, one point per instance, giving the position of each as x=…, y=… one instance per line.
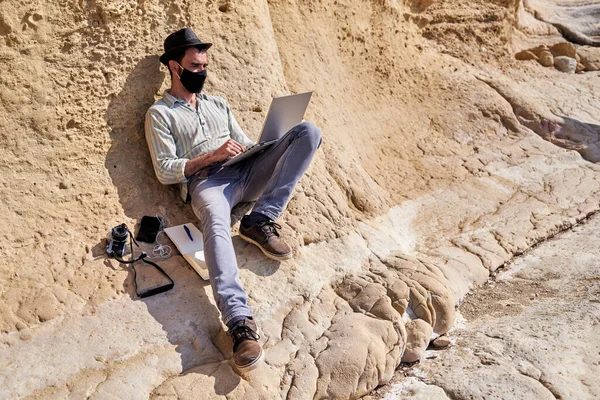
x=196, y=164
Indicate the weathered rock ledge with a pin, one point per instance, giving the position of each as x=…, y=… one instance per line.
x=531, y=332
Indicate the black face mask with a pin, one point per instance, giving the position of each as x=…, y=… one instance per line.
x=192, y=81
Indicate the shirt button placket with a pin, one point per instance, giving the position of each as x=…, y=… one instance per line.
x=200, y=117
x=202, y=121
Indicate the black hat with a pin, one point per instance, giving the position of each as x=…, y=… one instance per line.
x=177, y=42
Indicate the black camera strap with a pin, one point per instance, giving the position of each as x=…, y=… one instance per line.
x=142, y=257
x=156, y=290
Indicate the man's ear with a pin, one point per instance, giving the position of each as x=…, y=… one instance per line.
x=173, y=67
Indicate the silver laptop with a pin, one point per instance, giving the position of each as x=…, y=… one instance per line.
x=284, y=113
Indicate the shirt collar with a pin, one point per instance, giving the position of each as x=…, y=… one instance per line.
x=172, y=100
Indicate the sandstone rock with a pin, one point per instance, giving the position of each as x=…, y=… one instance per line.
x=546, y=58
x=340, y=364
x=565, y=64
x=576, y=22
x=525, y=55
x=526, y=368
x=530, y=354
x=429, y=296
x=368, y=298
x=539, y=49
x=580, y=67
x=418, y=335
x=399, y=216
x=590, y=57
x=594, y=293
x=563, y=49
x=414, y=389
x=441, y=342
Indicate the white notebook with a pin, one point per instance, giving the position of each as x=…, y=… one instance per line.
x=191, y=250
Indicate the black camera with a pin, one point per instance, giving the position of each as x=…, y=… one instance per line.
x=117, y=241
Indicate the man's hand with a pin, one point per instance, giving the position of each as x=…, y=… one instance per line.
x=229, y=149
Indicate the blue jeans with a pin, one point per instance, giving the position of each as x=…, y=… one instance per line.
x=267, y=178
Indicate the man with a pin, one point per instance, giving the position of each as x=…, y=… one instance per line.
x=190, y=135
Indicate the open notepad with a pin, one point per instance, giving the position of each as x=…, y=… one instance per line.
x=191, y=250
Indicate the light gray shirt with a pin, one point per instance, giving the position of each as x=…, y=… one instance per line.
x=176, y=133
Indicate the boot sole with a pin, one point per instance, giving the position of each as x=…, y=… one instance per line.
x=265, y=252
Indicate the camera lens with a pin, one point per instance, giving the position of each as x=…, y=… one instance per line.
x=119, y=233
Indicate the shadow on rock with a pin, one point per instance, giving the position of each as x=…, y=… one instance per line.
x=192, y=323
x=190, y=320
x=573, y=134
x=128, y=161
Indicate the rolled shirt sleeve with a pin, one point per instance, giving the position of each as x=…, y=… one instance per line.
x=169, y=168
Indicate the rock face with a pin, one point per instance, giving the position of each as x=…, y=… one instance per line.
x=577, y=23
x=418, y=334
x=590, y=58
x=532, y=333
x=442, y=158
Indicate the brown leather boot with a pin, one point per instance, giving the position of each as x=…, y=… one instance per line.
x=247, y=352
x=264, y=235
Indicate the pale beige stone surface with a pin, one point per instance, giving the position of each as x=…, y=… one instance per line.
x=590, y=57
x=418, y=333
x=565, y=64
x=442, y=158
x=546, y=58
x=530, y=333
x=412, y=388
x=576, y=20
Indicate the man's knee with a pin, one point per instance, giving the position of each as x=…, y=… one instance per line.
x=213, y=218
x=311, y=132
